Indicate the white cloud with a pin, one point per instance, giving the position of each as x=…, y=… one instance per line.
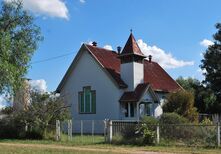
x=109, y=47
x=166, y=60
x=206, y=43
x=202, y=71
x=39, y=85
x=82, y=1
x=52, y=8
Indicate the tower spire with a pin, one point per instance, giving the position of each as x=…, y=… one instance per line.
x=131, y=47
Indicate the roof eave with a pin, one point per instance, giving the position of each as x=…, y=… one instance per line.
x=60, y=86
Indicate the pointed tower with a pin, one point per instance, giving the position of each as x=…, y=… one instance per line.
x=132, y=63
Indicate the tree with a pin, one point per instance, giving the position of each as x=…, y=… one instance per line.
x=211, y=63
x=188, y=84
x=182, y=103
x=19, y=38
x=204, y=97
x=43, y=111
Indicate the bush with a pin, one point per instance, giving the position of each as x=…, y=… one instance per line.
x=129, y=131
x=172, y=118
x=172, y=126
x=33, y=134
x=182, y=103
x=11, y=129
x=144, y=133
x=147, y=130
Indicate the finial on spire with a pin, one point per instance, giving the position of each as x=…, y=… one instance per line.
x=131, y=30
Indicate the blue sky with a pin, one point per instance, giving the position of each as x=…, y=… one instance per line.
x=171, y=30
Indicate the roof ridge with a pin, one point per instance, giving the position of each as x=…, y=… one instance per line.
x=100, y=47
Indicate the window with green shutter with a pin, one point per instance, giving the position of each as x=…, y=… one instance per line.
x=87, y=100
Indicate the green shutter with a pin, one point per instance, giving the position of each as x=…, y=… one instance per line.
x=81, y=101
x=93, y=100
x=87, y=94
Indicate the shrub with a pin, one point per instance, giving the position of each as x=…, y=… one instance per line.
x=207, y=132
x=147, y=130
x=11, y=129
x=172, y=126
x=129, y=131
x=33, y=134
x=182, y=103
x=172, y=118
x=144, y=133
x=7, y=110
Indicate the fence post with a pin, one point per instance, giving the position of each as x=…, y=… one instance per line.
x=105, y=130
x=218, y=134
x=58, y=130
x=110, y=133
x=82, y=125
x=92, y=130
x=158, y=133
x=70, y=130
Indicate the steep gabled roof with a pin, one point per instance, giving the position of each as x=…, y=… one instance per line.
x=154, y=74
x=109, y=60
x=159, y=79
x=131, y=47
x=104, y=58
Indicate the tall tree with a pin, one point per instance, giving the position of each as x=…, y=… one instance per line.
x=212, y=64
x=19, y=38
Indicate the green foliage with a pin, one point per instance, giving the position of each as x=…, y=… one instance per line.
x=188, y=84
x=206, y=121
x=7, y=110
x=182, y=103
x=43, y=112
x=10, y=128
x=19, y=38
x=212, y=65
x=172, y=118
x=149, y=120
x=204, y=97
x=172, y=126
x=39, y=118
x=147, y=130
x=144, y=133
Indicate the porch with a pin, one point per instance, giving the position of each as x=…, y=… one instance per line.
x=136, y=110
x=140, y=102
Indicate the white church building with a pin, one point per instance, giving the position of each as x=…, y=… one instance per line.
x=119, y=85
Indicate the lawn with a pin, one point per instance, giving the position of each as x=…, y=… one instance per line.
x=91, y=146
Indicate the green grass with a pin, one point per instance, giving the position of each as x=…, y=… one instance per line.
x=76, y=140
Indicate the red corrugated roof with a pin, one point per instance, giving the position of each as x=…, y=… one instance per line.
x=159, y=78
x=131, y=47
x=153, y=72
x=134, y=96
x=110, y=62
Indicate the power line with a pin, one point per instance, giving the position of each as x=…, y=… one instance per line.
x=52, y=58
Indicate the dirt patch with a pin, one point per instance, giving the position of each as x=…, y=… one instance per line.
x=115, y=150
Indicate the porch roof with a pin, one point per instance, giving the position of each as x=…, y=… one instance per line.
x=134, y=96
